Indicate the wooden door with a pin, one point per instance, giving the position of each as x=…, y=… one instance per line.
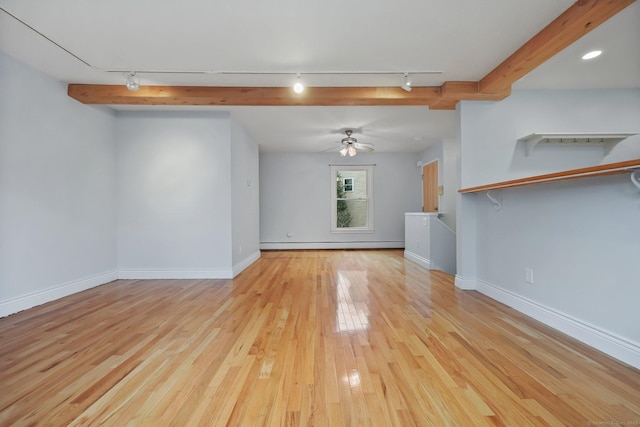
x=430, y=187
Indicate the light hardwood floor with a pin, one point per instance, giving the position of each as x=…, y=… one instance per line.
x=325, y=338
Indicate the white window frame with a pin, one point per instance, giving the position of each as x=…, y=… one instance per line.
x=368, y=228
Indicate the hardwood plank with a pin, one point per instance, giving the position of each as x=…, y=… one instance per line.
x=268, y=348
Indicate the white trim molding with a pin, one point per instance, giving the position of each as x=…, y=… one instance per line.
x=421, y=261
x=332, y=245
x=465, y=283
x=33, y=299
x=239, y=267
x=161, y=273
x=608, y=342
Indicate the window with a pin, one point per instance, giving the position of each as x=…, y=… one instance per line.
x=351, y=199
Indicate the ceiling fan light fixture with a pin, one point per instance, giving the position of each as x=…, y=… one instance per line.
x=407, y=82
x=351, y=146
x=132, y=81
x=298, y=87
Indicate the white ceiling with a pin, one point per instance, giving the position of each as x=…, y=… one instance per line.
x=617, y=67
x=462, y=39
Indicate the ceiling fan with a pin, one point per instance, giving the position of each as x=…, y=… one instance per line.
x=351, y=145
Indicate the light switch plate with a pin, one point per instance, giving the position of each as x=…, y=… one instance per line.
x=528, y=275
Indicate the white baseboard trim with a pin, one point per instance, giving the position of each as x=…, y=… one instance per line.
x=239, y=268
x=23, y=302
x=422, y=261
x=391, y=244
x=33, y=299
x=465, y=283
x=608, y=342
x=142, y=274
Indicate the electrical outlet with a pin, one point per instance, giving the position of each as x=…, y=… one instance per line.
x=528, y=275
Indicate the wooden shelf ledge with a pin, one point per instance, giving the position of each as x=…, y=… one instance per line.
x=608, y=169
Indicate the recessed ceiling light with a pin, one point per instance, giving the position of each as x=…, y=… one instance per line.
x=592, y=54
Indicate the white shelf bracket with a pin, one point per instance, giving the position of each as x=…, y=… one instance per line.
x=608, y=146
x=530, y=142
x=636, y=179
x=496, y=203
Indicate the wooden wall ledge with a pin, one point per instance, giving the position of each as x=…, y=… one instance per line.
x=608, y=169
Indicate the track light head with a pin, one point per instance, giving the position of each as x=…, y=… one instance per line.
x=133, y=82
x=298, y=87
x=406, y=84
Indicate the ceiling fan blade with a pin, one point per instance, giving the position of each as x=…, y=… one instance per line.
x=329, y=149
x=363, y=146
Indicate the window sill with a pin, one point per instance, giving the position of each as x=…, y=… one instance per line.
x=352, y=230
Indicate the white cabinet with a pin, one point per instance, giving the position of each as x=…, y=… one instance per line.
x=429, y=242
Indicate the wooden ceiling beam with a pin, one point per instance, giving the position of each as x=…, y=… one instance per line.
x=582, y=17
x=453, y=91
x=575, y=22
x=253, y=96
x=470, y=91
x=442, y=97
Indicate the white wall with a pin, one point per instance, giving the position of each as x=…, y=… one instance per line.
x=245, y=198
x=490, y=131
x=295, y=198
x=429, y=242
x=57, y=190
x=450, y=153
x=174, y=194
x=580, y=237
